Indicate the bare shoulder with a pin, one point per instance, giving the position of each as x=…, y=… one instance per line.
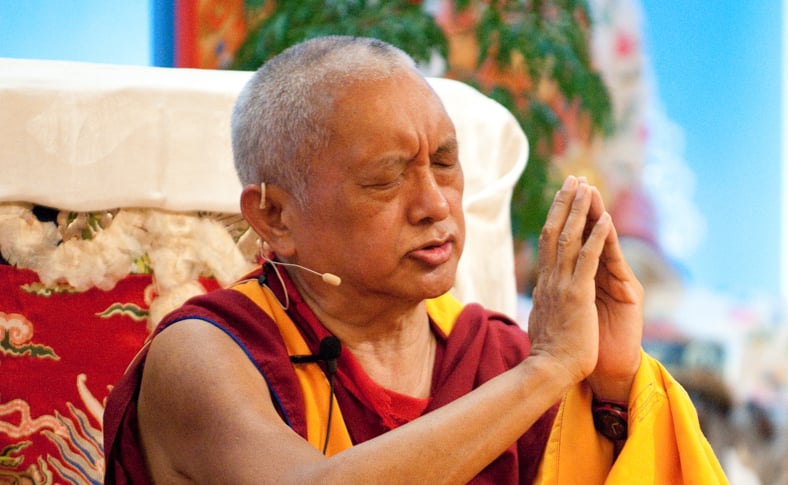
x=202, y=404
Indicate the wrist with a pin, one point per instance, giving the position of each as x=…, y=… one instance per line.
x=553, y=371
x=549, y=374
x=610, y=389
x=614, y=385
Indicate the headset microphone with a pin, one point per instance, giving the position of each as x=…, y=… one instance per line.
x=329, y=278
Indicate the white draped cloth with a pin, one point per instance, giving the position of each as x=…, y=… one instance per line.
x=88, y=137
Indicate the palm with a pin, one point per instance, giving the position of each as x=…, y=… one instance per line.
x=619, y=298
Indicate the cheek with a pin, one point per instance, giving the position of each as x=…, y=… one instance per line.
x=454, y=198
x=367, y=231
x=370, y=255
x=459, y=217
x=377, y=242
x=379, y=232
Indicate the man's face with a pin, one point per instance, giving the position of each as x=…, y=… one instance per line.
x=385, y=197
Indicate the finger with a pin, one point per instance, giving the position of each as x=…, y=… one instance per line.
x=588, y=259
x=597, y=204
x=571, y=238
x=594, y=212
x=613, y=256
x=554, y=223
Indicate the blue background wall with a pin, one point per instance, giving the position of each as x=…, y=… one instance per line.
x=718, y=68
x=116, y=32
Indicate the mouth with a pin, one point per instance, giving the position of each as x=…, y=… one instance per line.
x=434, y=253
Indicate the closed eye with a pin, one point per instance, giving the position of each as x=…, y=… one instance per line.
x=446, y=155
x=383, y=184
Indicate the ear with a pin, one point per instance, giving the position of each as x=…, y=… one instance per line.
x=266, y=218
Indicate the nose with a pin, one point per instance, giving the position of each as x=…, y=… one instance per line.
x=428, y=202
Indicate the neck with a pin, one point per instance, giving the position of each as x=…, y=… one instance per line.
x=396, y=347
x=401, y=360
x=391, y=339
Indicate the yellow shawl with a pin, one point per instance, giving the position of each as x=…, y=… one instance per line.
x=665, y=443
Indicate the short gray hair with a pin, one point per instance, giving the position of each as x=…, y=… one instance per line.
x=279, y=119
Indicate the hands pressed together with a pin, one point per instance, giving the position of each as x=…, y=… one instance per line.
x=587, y=304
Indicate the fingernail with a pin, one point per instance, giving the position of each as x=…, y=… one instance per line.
x=581, y=190
x=569, y=183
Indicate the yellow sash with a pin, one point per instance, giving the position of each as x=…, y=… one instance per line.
x=665, y=442
x=314, y=383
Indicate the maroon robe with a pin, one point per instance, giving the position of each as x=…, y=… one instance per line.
x=481, y=345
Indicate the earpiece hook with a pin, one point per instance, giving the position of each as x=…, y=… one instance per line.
x=262, y=195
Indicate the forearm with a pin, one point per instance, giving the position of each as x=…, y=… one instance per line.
x=187, y=428
x=454, y=443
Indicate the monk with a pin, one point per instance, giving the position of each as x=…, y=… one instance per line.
x=344, y=359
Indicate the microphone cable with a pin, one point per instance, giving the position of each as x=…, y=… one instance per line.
x=330, y=350
x=330, y=409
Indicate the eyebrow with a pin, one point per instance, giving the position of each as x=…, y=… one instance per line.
x=449, y=146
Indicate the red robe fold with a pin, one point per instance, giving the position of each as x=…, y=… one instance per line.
x=481, y=346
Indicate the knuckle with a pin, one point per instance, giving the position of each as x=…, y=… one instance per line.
x=565, y=239
x=585, y=255
x=584, y=252
x=546, y=235
x=562, y=198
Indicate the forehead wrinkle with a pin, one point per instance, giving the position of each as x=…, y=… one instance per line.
x=396, y=161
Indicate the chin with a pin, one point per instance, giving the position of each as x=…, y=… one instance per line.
x=436, y=285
